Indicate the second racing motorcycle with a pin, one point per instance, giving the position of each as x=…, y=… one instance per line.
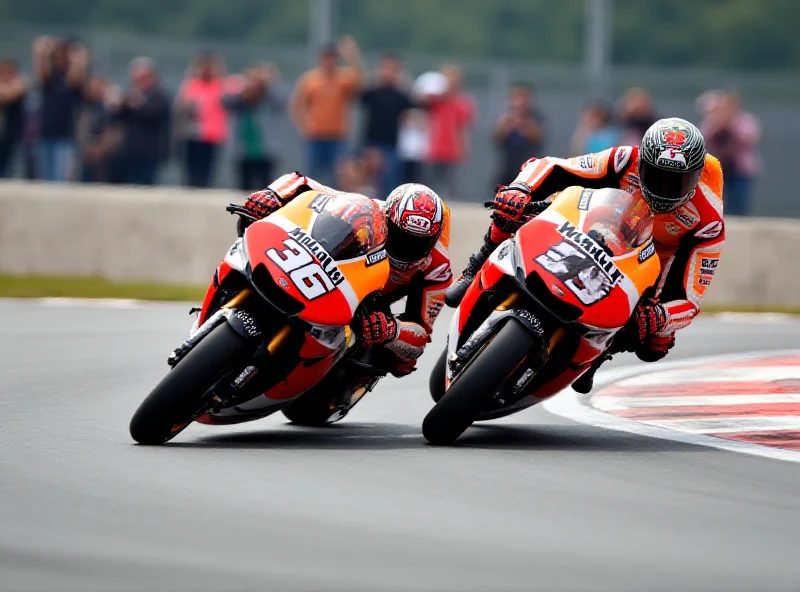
x=546, y=304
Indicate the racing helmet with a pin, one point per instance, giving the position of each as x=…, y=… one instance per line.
x=671, y=159
x=414, y=217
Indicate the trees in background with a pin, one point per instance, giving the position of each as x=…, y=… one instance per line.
x=746, y=34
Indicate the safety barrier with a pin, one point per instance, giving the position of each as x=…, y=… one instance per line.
x=178, y=236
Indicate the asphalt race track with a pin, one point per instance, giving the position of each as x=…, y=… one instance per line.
x=532, y=502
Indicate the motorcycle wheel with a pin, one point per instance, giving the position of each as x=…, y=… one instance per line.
x=436, y=381
x=310, y=410
x=180, y=397
x=476, y=384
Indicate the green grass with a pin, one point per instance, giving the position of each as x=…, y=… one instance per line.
x=26, y=286
x=38, y=286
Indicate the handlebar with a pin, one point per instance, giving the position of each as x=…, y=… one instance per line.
x=241, y=211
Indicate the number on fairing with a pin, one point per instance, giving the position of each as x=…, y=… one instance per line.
x=292, y=258
x=306, y=275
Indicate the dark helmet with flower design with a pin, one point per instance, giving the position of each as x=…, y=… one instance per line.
x=671, y=159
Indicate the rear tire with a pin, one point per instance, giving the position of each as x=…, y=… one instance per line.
x=176, y=400
x=310, y=410
x=437, y=379
x=475, y=386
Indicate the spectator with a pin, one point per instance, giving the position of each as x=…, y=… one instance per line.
x=13, y=90
x=385, y=104
x=373, y=167
x=636, y=115
x=97, y=136
x=595, y=130
x=413, y=145
x=30, y=135
x=451, y=114
x=732, y=136
x=203, y=120
x=350, y=176
x=257, y=97
x=519, y=133
x=61, y=67
x=144, y=113
x=320, y=106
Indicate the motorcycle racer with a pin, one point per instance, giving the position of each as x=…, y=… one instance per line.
x=681, y=183
x=418, y=224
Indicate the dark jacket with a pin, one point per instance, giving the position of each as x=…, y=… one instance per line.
x=146, y=128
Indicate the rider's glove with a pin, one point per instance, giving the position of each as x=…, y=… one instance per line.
x=376, y=328
x=649, y=319
x=513, y=206
x=408, y=346
x=263, y=203
x=654, y=348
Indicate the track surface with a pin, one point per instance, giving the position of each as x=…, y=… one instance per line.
x=532, y=502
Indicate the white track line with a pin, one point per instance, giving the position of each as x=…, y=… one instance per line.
x=567, y=404
x=614, y=403
x=89, y=302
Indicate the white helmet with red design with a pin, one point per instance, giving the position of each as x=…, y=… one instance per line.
x=414, y=216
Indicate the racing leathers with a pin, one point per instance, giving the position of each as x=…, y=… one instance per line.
x=688, y=240
x=423, y=283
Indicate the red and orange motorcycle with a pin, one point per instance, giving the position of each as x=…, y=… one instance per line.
x=273, y=331
x=544, y=306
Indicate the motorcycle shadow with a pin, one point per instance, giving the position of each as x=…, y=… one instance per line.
x=543, y=437
x=356, y=436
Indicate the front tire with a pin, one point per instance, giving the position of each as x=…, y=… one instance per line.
x=475, y=386
x=181, y=394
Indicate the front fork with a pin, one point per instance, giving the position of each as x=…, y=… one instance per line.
x=479, y=338
x=240, y=321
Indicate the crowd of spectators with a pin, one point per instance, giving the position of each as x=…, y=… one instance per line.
x=70, y=124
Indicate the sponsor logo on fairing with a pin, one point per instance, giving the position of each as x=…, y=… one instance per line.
x=647, y=252
x=376, y=257
x=325, y=260
x=586, y=197
x=586, y=162
x=318, y=203
x=592, y=249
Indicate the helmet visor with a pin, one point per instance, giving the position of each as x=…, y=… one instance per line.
x=665, y=189
x=406, y=247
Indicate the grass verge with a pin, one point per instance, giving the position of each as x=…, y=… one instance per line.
x=46, y=286
x=37, y=286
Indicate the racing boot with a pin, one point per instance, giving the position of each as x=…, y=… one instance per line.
x=585, y=381
x=455, y=293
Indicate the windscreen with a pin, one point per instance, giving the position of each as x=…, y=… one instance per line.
x=621, y=221
x=348, y=226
